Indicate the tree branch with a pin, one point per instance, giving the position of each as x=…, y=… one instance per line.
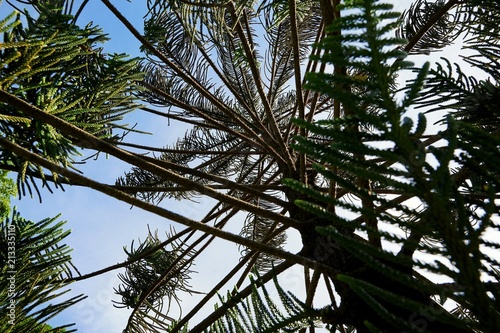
x=257, y=246
x=185, y=76
x=143, y=162
x=436, y=17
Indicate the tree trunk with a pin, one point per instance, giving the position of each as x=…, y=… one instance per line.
x=353, y=310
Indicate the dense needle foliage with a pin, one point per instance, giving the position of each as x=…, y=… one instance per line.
x=34, y=262
x=53, y=64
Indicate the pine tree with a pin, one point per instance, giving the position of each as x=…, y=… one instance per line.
x=34, y=263
x=305, y=93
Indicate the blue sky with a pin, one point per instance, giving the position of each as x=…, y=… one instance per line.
x=101, y=226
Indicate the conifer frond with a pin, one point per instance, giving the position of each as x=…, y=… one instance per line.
x=431, y=25
x=279, y=59
x=260, y=312
x=257, y=228
x=58, y=67
x=151, y=281
x=15, y=119
x=8, y=23
x=482, y=35
x=34, y=262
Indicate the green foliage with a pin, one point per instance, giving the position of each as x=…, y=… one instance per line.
x=455, y=184
x=7, y=190
x=53, y=64
x=34, y=264
x=260, y=313
x=157, y=275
